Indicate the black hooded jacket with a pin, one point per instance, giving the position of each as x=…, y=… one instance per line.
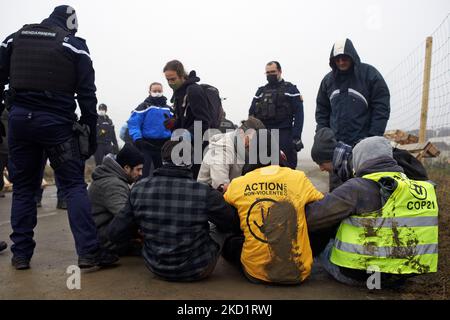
x=354, y=104
x=191, y=104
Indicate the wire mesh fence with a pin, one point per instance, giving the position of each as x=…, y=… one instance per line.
x=406, y=83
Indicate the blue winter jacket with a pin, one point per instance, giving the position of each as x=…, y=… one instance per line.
x=355, y=103
x=147, y=120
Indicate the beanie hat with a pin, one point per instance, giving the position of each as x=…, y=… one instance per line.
x=102, y=106
x=179, y=161
x=65, y=17
x=252, y=123
x=324, y=145
x=369, y=149
x=129, y=155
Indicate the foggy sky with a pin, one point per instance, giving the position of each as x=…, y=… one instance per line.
x=229, y=42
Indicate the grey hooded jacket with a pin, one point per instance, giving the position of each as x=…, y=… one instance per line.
x=356, y=196
x=108, y=193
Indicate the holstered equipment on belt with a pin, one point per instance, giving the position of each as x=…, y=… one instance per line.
x=75, y=148
x=82, y=133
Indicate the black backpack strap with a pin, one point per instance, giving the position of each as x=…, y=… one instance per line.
x=387, y=187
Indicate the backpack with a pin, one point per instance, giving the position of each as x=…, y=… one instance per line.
x=214, y=104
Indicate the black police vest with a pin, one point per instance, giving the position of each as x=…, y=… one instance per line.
x=39, y=61
x=104, y=129
x=273, y=104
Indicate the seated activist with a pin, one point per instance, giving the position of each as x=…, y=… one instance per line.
x=225, y=156
x=336, y=156
x=109, y=192
x=387, y=221
x=183, y=222
x=270, y=200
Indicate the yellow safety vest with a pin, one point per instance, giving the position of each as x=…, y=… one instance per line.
x=401, y=238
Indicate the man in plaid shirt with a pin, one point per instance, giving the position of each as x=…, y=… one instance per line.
x=183, y=222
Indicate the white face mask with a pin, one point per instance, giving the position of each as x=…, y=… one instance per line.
x=102, y=113
x=156, y=94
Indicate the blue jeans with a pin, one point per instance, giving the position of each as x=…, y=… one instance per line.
x=30, y=134
x=388, y=280
x=334, y=270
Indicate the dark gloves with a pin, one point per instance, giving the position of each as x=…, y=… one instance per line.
x=140, y=143
x=169, y=123
x=298, y=144
x=223, y=187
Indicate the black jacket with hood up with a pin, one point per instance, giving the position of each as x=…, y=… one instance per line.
x=355, y=103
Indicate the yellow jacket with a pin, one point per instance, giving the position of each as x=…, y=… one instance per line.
x=271, y=202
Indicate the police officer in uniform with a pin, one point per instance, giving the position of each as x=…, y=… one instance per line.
x=47, y=69
x=106, y=136
x=279, y=105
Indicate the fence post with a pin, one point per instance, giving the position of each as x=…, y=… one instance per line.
x=425, y=90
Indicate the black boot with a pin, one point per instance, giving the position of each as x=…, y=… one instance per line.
x=20, y=263
x=99, y=258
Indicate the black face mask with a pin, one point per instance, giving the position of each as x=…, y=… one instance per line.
x=272, y=78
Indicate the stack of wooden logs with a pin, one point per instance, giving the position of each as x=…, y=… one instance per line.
x=409, y=142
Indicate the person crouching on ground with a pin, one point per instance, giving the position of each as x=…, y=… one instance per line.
x=270, y=200
x=225, y=157
x=183, y=222
x=109, y=192
x=383, y=225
